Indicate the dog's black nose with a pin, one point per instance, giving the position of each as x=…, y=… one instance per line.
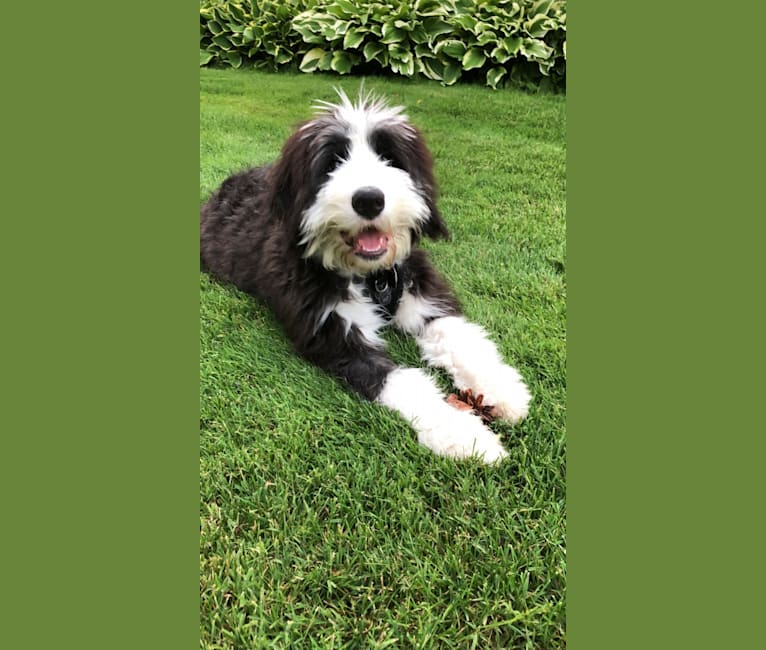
x=368, y=202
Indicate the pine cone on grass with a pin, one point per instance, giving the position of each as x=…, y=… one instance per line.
x=465, y=400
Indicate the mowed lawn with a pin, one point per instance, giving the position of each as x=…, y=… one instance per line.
x=323, y=523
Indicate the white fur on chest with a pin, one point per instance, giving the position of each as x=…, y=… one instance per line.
x=359, y=311
x=415, y=311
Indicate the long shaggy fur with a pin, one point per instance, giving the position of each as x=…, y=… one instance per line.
x=327, y=237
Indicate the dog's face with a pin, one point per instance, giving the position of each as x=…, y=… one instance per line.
x=358, y=180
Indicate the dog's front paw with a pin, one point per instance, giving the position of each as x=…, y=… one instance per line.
x=462, y=435
x=440, y=427
x=505, y=390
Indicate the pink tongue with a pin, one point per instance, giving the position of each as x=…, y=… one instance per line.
x=370, y=241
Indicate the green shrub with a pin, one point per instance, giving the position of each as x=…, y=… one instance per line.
x=500, y=37
x=523, y=40
x=384, y=34
x=259, y=32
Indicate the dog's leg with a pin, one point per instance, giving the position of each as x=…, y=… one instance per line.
x=440, y=427
x=430, y=312
x=464, y=350
x=358, y=357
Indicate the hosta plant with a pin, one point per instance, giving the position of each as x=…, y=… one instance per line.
x=495, y=41
x=258, y=31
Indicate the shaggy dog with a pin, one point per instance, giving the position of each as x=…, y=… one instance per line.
x=327, y=237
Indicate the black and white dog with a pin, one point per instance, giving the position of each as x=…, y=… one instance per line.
x=327, y=236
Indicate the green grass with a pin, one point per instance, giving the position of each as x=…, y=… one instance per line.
x=323, y=523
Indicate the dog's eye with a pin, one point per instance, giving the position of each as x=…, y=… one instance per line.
x=332, y=164
x=332, y=156
x=391, y=159
x=385, y=147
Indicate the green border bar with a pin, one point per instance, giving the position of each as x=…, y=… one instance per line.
x=100, y=461
x=665, y=256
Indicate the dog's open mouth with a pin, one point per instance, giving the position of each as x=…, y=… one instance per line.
x=369, y=243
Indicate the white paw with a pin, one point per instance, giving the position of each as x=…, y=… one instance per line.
x=461, y=435
x=439, y=426
x=504, y=389
x=465, y=351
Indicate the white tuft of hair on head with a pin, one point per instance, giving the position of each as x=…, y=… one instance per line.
x=367, y=112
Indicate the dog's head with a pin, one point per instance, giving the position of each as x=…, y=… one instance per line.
x=356, y=187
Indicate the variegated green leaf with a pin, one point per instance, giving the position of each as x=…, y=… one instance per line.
x=512, y=44
x=222, y=42
x=399, y=52
x=499, y=54
x=311, y=59
x=325, y=62
x=345, y=8
x=540, y=7
x=435, y=26
x=423, y=50
x=310, y=34
x=234, y=59
x=465, y=21
x=353, y=39
x=342, y=62
x=538, y=26
x=451, y=74
x=486, y=38
x=404, y=68
x=418, y=34
x=473, y=58
x=340, y=27
x=452, y=48
x=482, y=27
x=423, y=7
x=495, y=75
x=283, y=56
x=391, y=34
x=236, y=13
x=431, y=68
x=534, y=48
x=372, y=50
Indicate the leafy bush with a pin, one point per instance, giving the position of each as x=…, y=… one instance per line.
x=258, y=31
x=523, y=40
x=385, y=34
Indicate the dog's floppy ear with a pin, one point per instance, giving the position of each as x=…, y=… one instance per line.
x=286, y=180
x=421, y=170
x=435, y=228
x=300, y=170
